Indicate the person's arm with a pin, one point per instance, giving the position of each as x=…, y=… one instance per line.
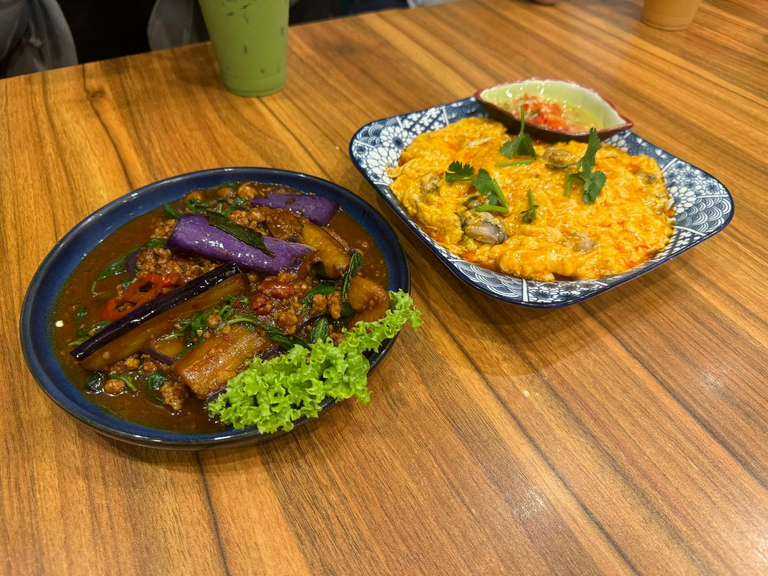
x=34, y=36
x=13, y=22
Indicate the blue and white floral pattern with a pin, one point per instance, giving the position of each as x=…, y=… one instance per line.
x=703, y=206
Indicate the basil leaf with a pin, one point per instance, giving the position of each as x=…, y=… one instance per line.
x=347, y=310
x=319, y=332
x=236, y=203
x=324, y=288
x=171, y=212
x=120, y=264
x=85, y=333
x=127, y=378
x=154, y=243
x=273, y=333
x=199, y=322
x=228, y=310
x=250, y=237
x=186, y=349
x=155, y=382
x=117, y=266
x=354, y=265
x=95, y=382
x=196, y=206
x=125, y=283
x=77, y=342
x=80, y=315
x=99, y=326
x=319, y=269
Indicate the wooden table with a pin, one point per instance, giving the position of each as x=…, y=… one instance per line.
x=626, y=434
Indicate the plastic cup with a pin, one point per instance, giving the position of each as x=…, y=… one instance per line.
x=670, y=14
x=250, y=40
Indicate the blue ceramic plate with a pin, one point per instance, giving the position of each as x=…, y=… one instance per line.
x=42, y=295
x=703, y=206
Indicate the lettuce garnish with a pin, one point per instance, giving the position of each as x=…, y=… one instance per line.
x=272, y=394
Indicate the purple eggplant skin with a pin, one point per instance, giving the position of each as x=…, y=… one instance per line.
x=316, y=209
x=159, y=356
x=131, y=262
x=193, y=234
x=154, y=308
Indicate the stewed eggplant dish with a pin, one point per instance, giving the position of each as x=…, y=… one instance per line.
x=244, y=305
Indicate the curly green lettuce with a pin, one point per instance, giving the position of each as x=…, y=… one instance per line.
x=272, y=394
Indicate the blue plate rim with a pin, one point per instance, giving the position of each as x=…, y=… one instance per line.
x=397, y=209
x=228, y=438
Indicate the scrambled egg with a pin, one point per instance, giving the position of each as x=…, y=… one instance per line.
x=628, y=223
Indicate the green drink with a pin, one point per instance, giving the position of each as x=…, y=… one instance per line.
x=250, y=41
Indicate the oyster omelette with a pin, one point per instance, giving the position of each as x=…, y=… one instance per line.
x=536, y=216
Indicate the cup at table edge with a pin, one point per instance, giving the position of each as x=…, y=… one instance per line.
x=670, y=14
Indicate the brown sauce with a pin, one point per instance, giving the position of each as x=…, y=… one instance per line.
x=138, y=406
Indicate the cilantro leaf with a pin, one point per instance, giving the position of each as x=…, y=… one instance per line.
x=587, y=162
x=520, y=146
x=593, y=181
x=592, y=186
x=458, y=172
x=488, y=186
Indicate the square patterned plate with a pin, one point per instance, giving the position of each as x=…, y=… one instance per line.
x=703, y=206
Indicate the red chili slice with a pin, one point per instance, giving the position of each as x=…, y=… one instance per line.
x=138, y=293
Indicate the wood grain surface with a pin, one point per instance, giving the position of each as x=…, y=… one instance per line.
x=628, y=434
